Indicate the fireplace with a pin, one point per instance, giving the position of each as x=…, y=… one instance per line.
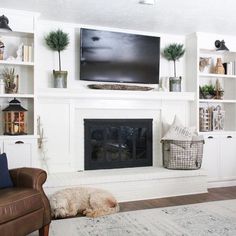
x=117, y=143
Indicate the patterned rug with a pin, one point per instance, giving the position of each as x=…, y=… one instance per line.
x=211, y=218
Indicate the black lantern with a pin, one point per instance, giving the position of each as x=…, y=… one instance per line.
x=15, y=118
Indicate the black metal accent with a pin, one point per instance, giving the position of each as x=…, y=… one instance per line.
x=19, y=142
x=117, y=143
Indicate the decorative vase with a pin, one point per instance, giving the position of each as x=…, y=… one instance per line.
x=219, y=68
x=60, y=79
x=11, y=86
x=175, y=84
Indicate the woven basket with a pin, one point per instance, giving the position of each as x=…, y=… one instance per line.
x=182, y=155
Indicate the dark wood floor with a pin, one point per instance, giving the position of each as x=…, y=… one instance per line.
x=214, y=194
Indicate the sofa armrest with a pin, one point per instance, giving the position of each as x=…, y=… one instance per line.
x=32, y=178
x=28, y=177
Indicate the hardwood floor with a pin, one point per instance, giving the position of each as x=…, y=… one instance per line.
x=214, y=194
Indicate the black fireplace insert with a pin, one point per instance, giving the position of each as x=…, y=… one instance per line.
x=117, y=143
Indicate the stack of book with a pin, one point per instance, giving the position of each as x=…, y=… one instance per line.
x=27, y=53
x=230, y=68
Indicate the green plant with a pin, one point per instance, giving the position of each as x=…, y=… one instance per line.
x=174, y=52
x=207, y=90
x=57, y=41
x=9, y=78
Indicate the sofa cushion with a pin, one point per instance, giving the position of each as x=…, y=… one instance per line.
x=16, y=202
x=5, y=179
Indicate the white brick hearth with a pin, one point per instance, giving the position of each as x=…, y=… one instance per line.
x=132, y=184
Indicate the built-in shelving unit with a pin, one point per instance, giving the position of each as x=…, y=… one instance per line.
x=220, y=145
x=228, y=84
x=13, y=42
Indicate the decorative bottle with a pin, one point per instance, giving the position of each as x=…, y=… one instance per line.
x=219, y=68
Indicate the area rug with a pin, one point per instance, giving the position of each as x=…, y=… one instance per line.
x=211, y=218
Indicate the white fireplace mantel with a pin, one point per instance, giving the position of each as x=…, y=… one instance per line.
x=115, y=94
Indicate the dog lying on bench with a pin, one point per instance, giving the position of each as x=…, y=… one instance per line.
x=91, y=202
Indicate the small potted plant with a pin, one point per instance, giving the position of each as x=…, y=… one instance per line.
x=174, y=52
x=58, y=41
x=207, y=91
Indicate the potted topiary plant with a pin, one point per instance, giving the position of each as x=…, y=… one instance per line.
x=58, y=41
x=174, y=52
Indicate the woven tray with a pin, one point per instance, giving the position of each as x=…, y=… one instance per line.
x=119, y=87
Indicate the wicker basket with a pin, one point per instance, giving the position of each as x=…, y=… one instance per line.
x=182, y=155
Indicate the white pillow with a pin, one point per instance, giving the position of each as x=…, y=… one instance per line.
x=179, y=132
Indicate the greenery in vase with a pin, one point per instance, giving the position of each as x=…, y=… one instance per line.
x=57, y=41
x=9, y=79
x=174, y=52
x=207, y=90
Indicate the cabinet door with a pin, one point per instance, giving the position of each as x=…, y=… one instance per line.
x=19, y=153
x=211, y=157
x=228, y=158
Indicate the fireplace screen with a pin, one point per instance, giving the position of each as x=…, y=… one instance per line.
x=117, y=143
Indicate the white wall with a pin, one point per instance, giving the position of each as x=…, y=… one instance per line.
x=47, y=60
x=61, y=127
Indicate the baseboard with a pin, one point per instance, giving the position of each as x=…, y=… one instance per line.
x=219, y=184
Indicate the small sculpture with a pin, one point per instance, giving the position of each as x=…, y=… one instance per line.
x=19, y=52
x=218, y=118
x=204, y=62
x=219, y=92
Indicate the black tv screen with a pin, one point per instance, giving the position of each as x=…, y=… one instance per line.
x=119, y=57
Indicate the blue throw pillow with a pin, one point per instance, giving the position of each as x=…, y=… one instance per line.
x=5, y=178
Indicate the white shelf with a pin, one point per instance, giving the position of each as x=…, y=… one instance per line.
x=214, y=52
x=20, y=63
x=17, y=34
x=223, y=132
x=15, y=137
x=116, y=94
x=16, y=95
x=216, y=101
x=217, y=75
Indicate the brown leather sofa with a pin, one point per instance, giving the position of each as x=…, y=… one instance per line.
x=25, y=208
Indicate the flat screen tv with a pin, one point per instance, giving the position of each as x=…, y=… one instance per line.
x=119, y=57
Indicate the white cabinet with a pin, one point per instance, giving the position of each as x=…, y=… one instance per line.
x=228, y=158
x=20, y=151
x=219, y=158
x=211, y=157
